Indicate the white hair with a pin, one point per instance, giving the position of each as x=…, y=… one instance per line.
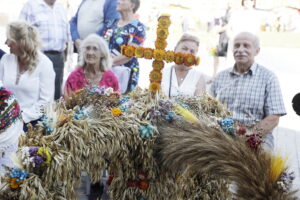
x=254, y=38
x=105, y=60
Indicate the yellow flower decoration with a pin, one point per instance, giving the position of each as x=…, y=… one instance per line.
x=169, y=56
x=198, y=60
x=139, y=52
x=154, y=87
x=162, y=33
x=44, y=152
x=189, y=60
x=129, y=51
x=179, y=58
x=277, y=167
x=116, y=112
x=164, y=21
x=160, y=43
x=158, y=65
x=148, y=53
x=213, y=51
x=158, y=54
x=155, y=76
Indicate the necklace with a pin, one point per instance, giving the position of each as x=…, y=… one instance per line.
x=93, y=79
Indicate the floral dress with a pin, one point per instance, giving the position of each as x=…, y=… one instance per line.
x=134, y=32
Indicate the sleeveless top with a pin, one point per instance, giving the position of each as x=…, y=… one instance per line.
x=187, y=87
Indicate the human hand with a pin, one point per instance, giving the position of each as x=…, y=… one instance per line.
x=77, y=44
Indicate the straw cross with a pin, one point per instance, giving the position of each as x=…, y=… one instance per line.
x=159, y=54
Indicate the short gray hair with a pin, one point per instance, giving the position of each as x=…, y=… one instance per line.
x=254, y=38
x=105, y=60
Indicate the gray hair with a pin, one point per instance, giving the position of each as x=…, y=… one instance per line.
x=136, y=5
x=105, y=60
x=254, y=38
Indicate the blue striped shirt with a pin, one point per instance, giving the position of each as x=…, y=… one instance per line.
x=250, y=96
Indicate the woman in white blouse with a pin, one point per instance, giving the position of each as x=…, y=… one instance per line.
x=26, y=71
x=180, y=80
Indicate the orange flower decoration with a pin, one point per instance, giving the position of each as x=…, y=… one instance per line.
x=179, y=58
x=189, y=60
x=148, y=53
x=158, y=54
x=144, y=185
x=139, y=52
x=129, y=51
x=160, y=44
x=162, y=33
x=164, y=21
x=158, y=65
x=155, y=76
x=123, y=47
x=154, y=87
x=169, y=56
x=14, y=184
x=116, y=112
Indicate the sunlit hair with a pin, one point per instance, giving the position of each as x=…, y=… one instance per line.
x=253, y=37
x=188, y=37
x=26, y=36
x=105, y=60
x=136, y=5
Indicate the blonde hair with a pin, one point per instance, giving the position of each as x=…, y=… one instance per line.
x=105, y=60
x=28, y=40
x=188, y=37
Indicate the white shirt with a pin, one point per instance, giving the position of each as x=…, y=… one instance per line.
x=90, y=17
x=189, y=85
x=35, y=90
x=51, y=22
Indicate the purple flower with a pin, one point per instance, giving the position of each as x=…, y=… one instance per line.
x=33, y=151
x=38, y=160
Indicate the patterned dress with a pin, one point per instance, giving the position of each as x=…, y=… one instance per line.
x=134, y=32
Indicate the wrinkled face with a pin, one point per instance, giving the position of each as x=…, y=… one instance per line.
x=13, y=46
x=91, y=54
x=187, y=47
x=125, y=5
x=244, y=50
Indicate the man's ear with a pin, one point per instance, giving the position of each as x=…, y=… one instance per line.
x=296, y=103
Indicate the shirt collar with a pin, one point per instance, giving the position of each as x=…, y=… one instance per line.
x=42, y=2
x=251, y=70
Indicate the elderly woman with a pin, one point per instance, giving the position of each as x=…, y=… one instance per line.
x=26, y=71
x=124, y=31
x=182, y=80
x=94, y=66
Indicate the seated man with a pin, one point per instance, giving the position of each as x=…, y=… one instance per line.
x=251, y=91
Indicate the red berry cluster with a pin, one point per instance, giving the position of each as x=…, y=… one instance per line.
x=142, y=182
x=254, y=140
x=240, y=129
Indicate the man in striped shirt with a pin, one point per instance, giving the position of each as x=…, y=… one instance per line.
x=251, y=91
x=50, y=18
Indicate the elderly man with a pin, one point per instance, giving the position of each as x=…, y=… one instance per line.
x=250, y=91
x=50, y=18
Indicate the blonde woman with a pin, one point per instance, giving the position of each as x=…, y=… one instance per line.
x=26, y=71
x=180, y=80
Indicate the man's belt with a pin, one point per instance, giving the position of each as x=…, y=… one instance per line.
x=52, y=52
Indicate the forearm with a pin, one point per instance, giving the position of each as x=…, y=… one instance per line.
x=267, y=124
x=120, y=60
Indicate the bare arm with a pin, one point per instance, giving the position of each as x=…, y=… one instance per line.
x=120, y=60
x=267, y=124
